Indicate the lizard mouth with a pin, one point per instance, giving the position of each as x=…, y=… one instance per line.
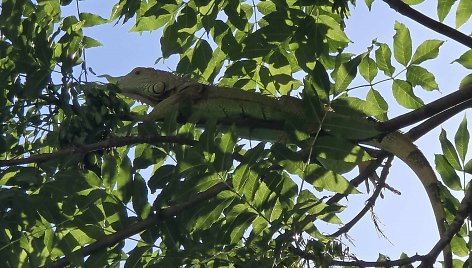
x=146, y=99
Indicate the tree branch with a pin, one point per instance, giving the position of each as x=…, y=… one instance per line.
x=85, y=148
x=428, y=110
x=370, y=201
x=361, y=177
x=420, y=130
x=426, y=21
x=464, y=209
x=426, y=260
x=158, y=217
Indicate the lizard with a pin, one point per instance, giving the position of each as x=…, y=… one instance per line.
x=167, y=93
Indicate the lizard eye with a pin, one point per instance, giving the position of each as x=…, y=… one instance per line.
x=158, y=88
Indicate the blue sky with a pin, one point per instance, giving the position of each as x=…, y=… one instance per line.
x=407, y=219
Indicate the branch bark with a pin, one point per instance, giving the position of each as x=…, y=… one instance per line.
x=426, y=21
x=85, y=148
x=440, y=105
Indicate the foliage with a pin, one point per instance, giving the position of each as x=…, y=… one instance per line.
x=73, y=166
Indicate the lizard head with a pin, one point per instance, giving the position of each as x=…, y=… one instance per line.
x=144, y=84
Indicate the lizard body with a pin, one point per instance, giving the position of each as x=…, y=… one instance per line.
x=168, y=93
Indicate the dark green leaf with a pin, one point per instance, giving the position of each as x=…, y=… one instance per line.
x=328, y=180
x=449, y=151
x=91, y=19
x=345, y=74
x=461, y=139
x=449, y=176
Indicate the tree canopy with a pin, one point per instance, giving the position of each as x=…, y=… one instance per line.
x=83, y=185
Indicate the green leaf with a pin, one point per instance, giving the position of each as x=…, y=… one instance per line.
x=429, y=49
x=161, y=177
x=352, y=106
x=259, y=225
x=463, y=12
x=413, y=2
x=403, y=93
x=369, y=4
x=444, y=6
x=210, y=213
x=90, y=19
x=350, y=127
x=146, y=156
x=345, y=74
x=89, y=42
x=375, y=99
x=318, y=81
x=459, y=246
x=368, y=69
x=466, y=59
x=402, y=44
x=449, y=151
x=328, y=180
x=224, y=153
x=266, y=7
x=466, y=82
x=151, y=23
x=461, y=139
x=448, y=175
x=202, y=55
x=334, y=148
x=140, y=193
x=468, y=167
x=245, y=181
x=418, y=75
x=109, y=170
x=383, y=57
x=238, y=220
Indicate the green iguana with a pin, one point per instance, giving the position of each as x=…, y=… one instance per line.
x=168, y=93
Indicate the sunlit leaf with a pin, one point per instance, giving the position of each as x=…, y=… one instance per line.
x=368, y=69
x=383, y=57
x=463, y=12
x=402, y=44
x=444, y=6
x=419, y=76
x=466, y=59
x=403, y=93
x=429, y=49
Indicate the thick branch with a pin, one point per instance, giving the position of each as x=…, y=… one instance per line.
x=434, y=25
x=464, y=209
x=420, y=130
x=428, y=110
x=110, y=240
